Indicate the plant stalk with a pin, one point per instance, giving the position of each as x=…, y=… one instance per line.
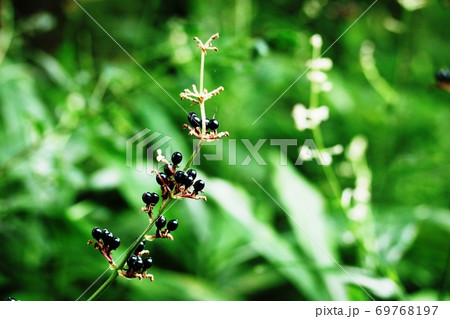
x=202, y=103
x=163, y=208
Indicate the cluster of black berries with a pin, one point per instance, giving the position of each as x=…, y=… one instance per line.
x=105, y=242
x=160, y=222
x=196, y=122
x=443, y=79
x=137, y=266
x=177, y=183
x=150, y=200
x=195, y=127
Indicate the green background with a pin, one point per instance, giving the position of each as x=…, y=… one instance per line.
x=70, y=98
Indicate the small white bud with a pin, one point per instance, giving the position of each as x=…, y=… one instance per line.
x=316, y=41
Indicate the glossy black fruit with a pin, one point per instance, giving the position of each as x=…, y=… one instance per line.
x=199, y=185
x=140, y=247
x=150, y=198
x=161, y=178
x=181, y=177
x=97, y=233
x=167, y=170
x=192, y=172
x=131, y=262
x=107, y=236
x=213, y=124
x=148, y=262
x=138, y=264
x=177, y=158
x=194, y=120
x=189, y=181
x=115, y=243
x=160, y=222
x=172, y=224
x=191, y=115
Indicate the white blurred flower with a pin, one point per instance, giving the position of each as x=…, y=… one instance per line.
x=317, y=76
x=361, y=195
x=337, y=149
x=325, y=158
x=318, y=115
x=307, y=119
x=357, y=148
x=358, y=212
x=412, y=5
x=320, y=64
x=306, y=153
x=316, y=41
x=300, y=114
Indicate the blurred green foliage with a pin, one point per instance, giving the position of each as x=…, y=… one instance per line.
x=70, y=98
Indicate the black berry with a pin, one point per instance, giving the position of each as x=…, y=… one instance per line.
x=150, y=198
x=176, y=158
x=131, y=262
x=97, y=233
x=140, y=247
x=161, y=178
x=167, y=170
x=192, y=172
x=148, y=262
x=206, y=122
x=199, y=185
x=160, y=222
x=194, y=120
x=191, y=114
x=115, y=243
x=107, y=237
x=189, y=181
x=181, y=177
x=213, y=124
x=172, y=225
x=138, y=264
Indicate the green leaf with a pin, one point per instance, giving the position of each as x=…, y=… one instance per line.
x=267, y=241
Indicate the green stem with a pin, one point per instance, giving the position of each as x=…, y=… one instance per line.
x=105, y=285
x=202, y=103
x=317, y=134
